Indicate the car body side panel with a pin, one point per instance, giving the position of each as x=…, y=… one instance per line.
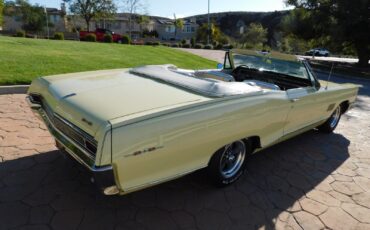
x=313, y=106
x=304, y=109
x=168, y=146
x=158, y=149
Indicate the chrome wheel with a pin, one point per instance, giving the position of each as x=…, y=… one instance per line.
x=232, y=159
x=335, y=118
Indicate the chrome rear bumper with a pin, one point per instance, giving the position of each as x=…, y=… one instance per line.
x=65, y=143
x=102, y=176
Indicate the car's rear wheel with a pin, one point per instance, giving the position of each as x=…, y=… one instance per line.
x=330, y=125
x=228, y=164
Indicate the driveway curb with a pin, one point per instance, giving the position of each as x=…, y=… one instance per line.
x=14, y=89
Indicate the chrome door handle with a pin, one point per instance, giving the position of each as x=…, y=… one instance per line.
x=294, y=99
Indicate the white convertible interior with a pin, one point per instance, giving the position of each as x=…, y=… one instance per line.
x=211, y=83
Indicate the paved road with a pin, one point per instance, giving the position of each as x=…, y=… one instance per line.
x=215, y=55
x=333, y=59
x=218, y=56
x=313, y=181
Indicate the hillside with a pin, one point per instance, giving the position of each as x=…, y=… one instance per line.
x=230, y=22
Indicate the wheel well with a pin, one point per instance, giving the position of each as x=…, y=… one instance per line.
x=344, y=106
x=256, y=142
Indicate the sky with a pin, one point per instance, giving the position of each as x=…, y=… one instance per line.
x=167, y=8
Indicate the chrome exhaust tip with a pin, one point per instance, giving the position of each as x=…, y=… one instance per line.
x=111, y=191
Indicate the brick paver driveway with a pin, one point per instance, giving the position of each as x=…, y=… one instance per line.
x=313, y=181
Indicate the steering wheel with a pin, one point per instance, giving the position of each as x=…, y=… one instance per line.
x=236, y=72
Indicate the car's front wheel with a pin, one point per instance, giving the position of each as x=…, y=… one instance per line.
x=330, y=125
x=228, y=164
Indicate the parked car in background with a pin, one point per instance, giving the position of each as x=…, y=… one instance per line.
x=139, y=127
x=100, y=33
x=320, y=52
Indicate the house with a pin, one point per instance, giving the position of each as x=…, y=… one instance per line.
x=56, y=19
x=241, y=27
x=119, y=23
x=166, y=29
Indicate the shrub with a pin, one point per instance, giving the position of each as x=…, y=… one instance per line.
x=208, y=47
x=198, y=46
x=266, y=48
x=219, y=46
x=186, y=46
x=108, y=38
x=192, y=42
x=59, y=36
x=228, y=46
x=90, y=38
x=224, y=40
x=151, y=34
x=33, y=36
x=166, y=44
x=126, y=40
x=175, y=45
x=148, y=43
x=183, y=41
x=20, y=33
x=156, y=43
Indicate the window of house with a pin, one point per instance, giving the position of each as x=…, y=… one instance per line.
x=53, y=18
x=188, y=29
x=170, y=29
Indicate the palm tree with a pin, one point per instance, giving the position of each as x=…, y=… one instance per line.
x=179, y=24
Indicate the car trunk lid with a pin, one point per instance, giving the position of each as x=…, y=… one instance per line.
x=92, y=99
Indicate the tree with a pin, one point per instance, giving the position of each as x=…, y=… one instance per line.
x=133, y=7
x=254, y=36
x=142, y=20
x=179, y=25
x=1, y=11
x=32, y=16
x=215, y=33
x=337, y=22
x=92, y=9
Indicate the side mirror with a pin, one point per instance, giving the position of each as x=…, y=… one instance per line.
x=220, y=66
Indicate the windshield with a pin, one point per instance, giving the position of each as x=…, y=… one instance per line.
x=264, y=62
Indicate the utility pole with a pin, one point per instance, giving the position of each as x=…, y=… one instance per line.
x=47, y=22
x=209, y=23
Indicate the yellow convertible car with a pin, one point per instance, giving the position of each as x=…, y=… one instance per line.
x=134, y=128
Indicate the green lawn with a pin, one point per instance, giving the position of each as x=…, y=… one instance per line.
x=22, y=59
